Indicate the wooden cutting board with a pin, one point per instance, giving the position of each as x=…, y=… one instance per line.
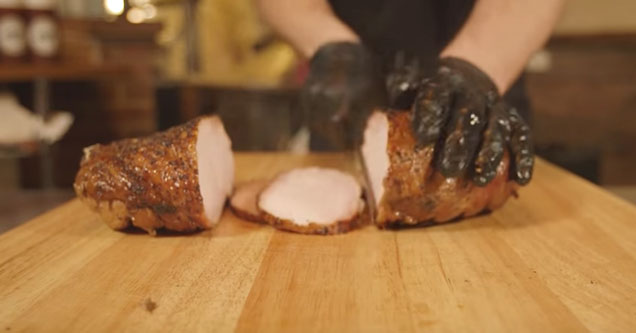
x=560, y=258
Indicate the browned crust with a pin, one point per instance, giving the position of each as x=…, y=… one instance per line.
x=244, y=213
x=150, y=183
x=417, y=194
x=335, y=228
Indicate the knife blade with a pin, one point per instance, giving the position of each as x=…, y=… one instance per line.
x=366, y=186
x=342, y=122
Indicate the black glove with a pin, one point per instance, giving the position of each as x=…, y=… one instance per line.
x=343, y=87
x=402, y=81
x=459, y=110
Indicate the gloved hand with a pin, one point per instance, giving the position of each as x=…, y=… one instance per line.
x=459, y=110
x=402, y=81
x=343, y=87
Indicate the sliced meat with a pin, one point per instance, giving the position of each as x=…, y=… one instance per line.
x=177, y=180
x=244, y=200
x=408, y=190
x=312, y=201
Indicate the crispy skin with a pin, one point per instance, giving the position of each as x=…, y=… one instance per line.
x=150, y=183
x=335, y=228
x=417, y=194
x=244, y=200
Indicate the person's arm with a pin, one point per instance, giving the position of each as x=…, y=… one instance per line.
x=460, y=110
x=306, y=24
x=500, y=36
x=344, y=82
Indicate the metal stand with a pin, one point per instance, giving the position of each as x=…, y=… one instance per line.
x=191, y=36
x=41, y=95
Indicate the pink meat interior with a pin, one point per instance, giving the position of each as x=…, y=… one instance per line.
x=312, y=195
x=216, y=167
x=374, y=152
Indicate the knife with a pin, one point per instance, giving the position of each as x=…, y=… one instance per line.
x=343, y=123
x=369, y=196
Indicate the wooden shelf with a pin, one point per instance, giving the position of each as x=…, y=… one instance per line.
x=19, y=149
x=61, y=71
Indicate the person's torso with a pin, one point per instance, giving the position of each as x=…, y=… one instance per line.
x=419, y=28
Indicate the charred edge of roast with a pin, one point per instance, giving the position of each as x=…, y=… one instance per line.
x=245, y=213
x=335, y=228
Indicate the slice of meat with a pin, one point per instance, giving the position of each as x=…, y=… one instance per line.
x=408, y=190
x=177, y=180
x=312, y=201
x=244, y=200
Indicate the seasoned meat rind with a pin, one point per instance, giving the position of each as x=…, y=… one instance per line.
x=409, y=191
x=153, y=182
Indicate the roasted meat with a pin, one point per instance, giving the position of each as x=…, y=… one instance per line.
x=408, y=190
x=312, y=201
x=244, y=200
x=177, y=180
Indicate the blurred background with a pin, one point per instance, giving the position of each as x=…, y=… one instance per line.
x=78, y=72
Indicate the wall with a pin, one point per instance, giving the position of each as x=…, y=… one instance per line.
x=598, y=17
x=584, y=102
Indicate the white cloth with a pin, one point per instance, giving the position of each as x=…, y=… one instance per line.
x=19, y=125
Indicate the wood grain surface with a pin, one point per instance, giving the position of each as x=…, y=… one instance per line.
x=560, y=258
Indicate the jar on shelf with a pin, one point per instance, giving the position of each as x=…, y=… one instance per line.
x=42, y=32
x=12, y=31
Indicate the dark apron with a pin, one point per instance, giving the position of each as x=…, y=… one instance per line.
x=418, y=28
